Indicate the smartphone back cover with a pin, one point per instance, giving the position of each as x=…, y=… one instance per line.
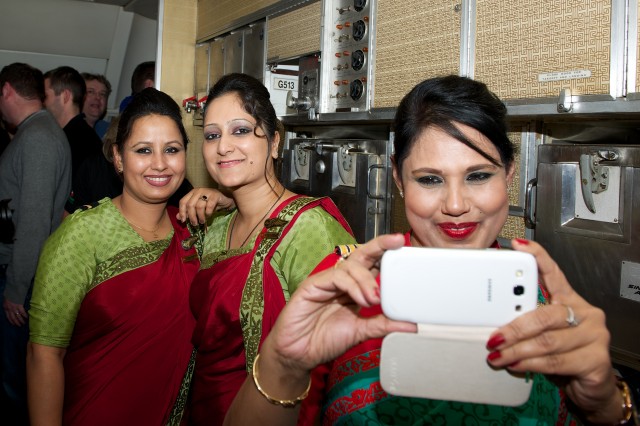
x=448, y=363
x=457, y=287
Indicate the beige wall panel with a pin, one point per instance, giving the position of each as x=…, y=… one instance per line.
x=514, y=188
x=398, y=217
x=416, y=39
x=517, y=40
x=514, y=228
x=638, y=53
x=177, y=77
x=215, y=15
x=295, y=33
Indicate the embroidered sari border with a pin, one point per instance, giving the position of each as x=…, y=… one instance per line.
x=252, y=302
x=129, y=259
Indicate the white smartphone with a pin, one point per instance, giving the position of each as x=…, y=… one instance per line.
x=467, y=287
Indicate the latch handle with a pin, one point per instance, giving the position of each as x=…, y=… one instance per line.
x=594, y=178
x=565, y=103
x=529, y=220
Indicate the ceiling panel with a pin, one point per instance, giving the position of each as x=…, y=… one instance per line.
x=146, y=8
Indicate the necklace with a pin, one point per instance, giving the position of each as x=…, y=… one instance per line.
x=154, y=231
x=256, y=225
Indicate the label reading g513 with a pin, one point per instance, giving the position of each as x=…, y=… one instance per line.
x=282, y=84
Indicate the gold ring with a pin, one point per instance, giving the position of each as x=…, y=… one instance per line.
x=338, y=262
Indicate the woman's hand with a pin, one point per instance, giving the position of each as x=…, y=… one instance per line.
x=200, y=203
x=321, y=321
x=574, y=355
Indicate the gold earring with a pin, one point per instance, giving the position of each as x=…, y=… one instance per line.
x=120, y=170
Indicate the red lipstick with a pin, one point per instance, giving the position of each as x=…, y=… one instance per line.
x=458, y=231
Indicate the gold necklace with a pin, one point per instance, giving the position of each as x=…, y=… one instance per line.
x=152, y=231
x=233, y=225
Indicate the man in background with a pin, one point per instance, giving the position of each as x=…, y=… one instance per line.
x=143, y=76
x=95, y=103
x=65, y=91
x=35, y=176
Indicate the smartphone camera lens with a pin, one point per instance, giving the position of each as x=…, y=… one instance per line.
x=518, y=290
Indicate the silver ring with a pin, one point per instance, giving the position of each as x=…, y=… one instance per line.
x=17, y=313
x=571, y=317
x=204, y=198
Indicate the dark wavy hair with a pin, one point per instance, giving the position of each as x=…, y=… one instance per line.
x=443, y=101
x=148, y=102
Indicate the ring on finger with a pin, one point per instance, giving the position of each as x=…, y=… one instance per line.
x=571, y=317
x=204, y=198
x=338, y=262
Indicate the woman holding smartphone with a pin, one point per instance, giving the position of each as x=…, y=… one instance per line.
x=453, y=164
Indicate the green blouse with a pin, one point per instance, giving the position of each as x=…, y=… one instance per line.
x=90, y=247
x=311, y=238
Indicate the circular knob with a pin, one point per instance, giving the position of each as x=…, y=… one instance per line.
x=320, y=166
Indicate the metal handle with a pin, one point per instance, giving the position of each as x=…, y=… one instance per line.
x=529, y=220
x=375, y=197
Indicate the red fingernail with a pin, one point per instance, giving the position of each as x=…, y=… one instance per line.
x=494, y=355
x=522, y=241
x=495, y=341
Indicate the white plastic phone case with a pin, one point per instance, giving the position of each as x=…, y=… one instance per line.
x=448, y=363
x=457, y=297
x=485, y=287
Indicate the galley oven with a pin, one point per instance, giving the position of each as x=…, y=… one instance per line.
x=353, y=171
x=587, y=216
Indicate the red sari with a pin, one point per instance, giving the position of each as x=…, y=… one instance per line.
x=131, y=344
x=216, y=299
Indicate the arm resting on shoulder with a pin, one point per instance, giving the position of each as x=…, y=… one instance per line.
x=45, y=384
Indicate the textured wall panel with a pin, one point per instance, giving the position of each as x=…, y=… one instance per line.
x=514, y=188
x=398, y=218
x=638, y=53
x=519, y=39
x=215, y=15
x=178, y=47
x=514, y=228
x=415, y=40
x=295, y=33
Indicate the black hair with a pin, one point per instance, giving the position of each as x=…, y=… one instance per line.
x=143, y=72
x=67, y=78
x=149, y=102
x=443, y=101
x=26, y=80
